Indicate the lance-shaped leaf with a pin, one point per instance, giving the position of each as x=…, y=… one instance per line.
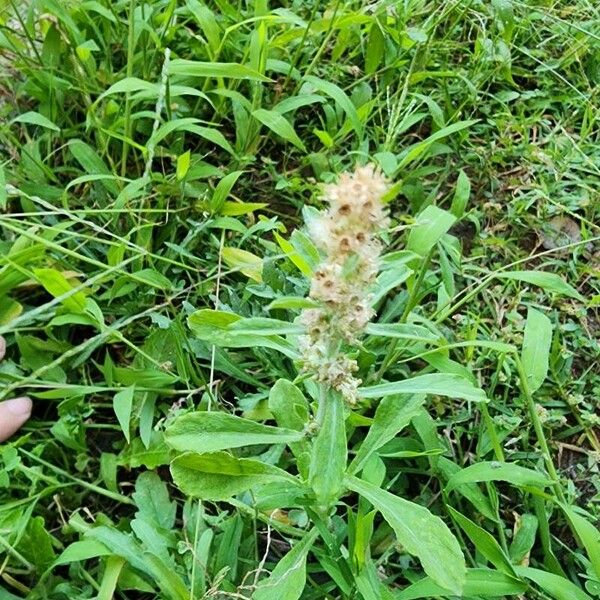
x=536, y=348
x=329, y=451
x=439, y=384
x=391, y=416
x=421, y=533
x=288, y=578
x=219, y=476
x=498, y=471
x=211, y=431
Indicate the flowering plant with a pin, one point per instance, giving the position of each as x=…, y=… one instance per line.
x=343, y=342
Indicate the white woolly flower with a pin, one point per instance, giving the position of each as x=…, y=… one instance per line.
x=347, y=235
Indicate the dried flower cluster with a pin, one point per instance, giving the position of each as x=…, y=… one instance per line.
x=347, y=235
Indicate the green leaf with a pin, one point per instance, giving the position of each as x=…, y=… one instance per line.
x=461, y=195
x=439, y=384
x=153, y=278
x=166, y=577
x=246, y=262
x=120, y=544
x=329, y=451
x=127, y=85
x=288, y=578
x=419, y=148
x=151, y=496
x=290, y=409
x=484, y=542
x=392, y=415
x=292, y=253
x=222, y=191
x=190, y=124
x=124, y=546
x=293, y=303
x=403, y=331
x=589, y=536
x=219, y=476
x=295, y=102
x=388, y=279
x=56, y=284
x=80, y=551
x=470, y=491
x=34, y=118
x=280, y=125
x=122, y=405
x=421, y=533
x=288, y=405
x=498, y=471
x=375, y=49
x=524, y=538
x=92, y=164
x=555, y=585
x=235, y=209
x=208, y=23
x=536, y=348
x=430, y=225
x=36, y=544
x=228, y=330
x=183, y=165
x=211, y=431
x=480, y=583
x=551, y=282
x=3, y=194
x=191, y=68
x=341, y=98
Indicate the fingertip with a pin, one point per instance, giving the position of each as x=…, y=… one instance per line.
x=19, y=407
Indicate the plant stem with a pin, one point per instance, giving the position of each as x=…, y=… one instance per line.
x=127, y=124
x=539, y=430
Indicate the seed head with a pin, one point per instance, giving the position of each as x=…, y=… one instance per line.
x=347, y=235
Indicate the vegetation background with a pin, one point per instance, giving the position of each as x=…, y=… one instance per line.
x=155, y=158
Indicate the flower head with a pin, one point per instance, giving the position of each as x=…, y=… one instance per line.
x=347, y=234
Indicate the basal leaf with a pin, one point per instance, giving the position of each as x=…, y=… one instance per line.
x=421, y=534
x=219, y=476
x=211, y=431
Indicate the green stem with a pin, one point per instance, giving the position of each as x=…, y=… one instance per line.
x=491, y=430
x=539, y=430
x=127, y=125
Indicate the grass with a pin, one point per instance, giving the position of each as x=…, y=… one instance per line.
x=160, y=160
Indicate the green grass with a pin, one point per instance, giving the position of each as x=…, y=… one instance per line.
x=158, y=157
